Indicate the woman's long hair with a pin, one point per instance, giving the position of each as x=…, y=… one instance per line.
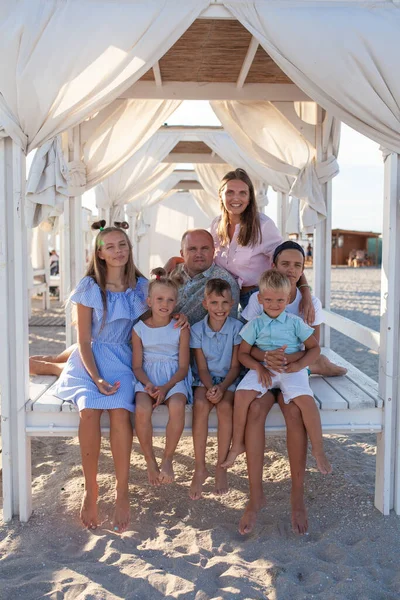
x=97, y=268
x=250, y=228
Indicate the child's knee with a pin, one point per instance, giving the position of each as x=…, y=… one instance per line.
x=224, y=410
x=90, y=414
x=143, y=410
x=176, y=404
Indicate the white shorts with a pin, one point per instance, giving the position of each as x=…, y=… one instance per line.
x=291, y=385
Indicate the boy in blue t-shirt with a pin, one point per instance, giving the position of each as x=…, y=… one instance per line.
x=273, y=329
x=215, y=342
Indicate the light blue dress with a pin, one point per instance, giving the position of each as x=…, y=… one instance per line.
x=161, y=357
x=111, y=346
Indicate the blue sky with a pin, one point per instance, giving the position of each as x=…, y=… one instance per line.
x=357, y=190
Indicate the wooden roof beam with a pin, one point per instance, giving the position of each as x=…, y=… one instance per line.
x=157, y=74
x=188, y=185
x=251, y=52
x=177, y=90
x=187, y=158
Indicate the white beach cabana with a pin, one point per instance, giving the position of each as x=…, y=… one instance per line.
x=133, y=50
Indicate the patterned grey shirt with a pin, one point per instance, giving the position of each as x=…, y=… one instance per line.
x=191, y=293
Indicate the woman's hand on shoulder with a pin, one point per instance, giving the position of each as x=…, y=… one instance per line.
x=107, y=388
x=181, y=321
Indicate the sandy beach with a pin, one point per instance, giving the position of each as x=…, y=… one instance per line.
x=177, y=548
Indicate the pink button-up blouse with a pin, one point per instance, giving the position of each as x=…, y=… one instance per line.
x=246, y=263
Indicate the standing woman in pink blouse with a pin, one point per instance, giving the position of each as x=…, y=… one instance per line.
x=245, y=239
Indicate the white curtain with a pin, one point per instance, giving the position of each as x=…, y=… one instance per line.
x=344, y=55
x=68, y=60
x=208, y=204
x=265, y=134
x=139, y=176
x=223, y=145
x=63, y=61
x=112, y=136
x=136, y=209
x=107, y=140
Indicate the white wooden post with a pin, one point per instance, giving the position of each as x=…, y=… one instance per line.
x=322, y=251
x=387, y=471
x=14, y=354
x=73, y=244
x=283, y=209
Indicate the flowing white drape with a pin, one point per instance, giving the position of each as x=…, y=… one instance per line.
x=67, y=60
x=223, y=145
x=136, y=209
x=343, y=55
x=265, y=134
x=107, y=141
x=139, y=176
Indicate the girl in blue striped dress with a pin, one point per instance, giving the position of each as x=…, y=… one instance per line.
x=161, y=366
x=98, y=374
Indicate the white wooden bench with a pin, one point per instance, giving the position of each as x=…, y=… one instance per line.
x=348, y=404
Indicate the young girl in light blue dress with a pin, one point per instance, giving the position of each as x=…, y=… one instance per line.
x=161, y=366
x=98, y=374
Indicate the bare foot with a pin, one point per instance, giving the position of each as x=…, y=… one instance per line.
x=88, y=512
x=323, y=464
x=323, y=366
x=232, y=456
x=121, y=512
x=198, y=479
x=167, y=471
x=221, y=481
x=249, y=517
x=153, y=472
x=299, y=517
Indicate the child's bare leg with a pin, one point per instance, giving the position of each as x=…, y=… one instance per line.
x=89, y=440
x=144, y=432
x=201, y=410
x=42, y=367
x=296, y=440
x=255, y=445
x=176, y=422
x=225, y=425
x=323, y=366
x=312, y=423
x=243, y=399
x=121, y=446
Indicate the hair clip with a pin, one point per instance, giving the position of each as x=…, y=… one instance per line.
x=101, y=228
x=158, y=277
x=121, y=224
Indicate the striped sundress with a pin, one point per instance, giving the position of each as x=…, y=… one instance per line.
x=111, y=346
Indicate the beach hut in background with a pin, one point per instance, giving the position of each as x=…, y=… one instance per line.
x=349, y=246
x=279, y=80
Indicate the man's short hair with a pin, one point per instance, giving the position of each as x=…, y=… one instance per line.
x=218, y=287
x=190, y=231
x=273, y=280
